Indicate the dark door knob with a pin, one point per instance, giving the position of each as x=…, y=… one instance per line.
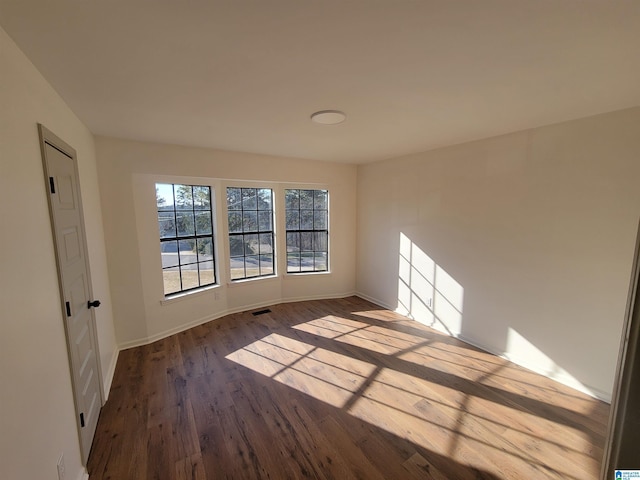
x=95, y=303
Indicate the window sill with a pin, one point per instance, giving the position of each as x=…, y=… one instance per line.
x=302, y=274
x=177, y=297
x=244, y=281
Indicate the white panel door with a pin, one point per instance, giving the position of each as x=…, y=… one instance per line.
x=61, y=173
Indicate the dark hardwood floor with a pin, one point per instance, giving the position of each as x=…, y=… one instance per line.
x=337, y=389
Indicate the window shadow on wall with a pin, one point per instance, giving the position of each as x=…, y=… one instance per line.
x=426, y=291
x=430, y=295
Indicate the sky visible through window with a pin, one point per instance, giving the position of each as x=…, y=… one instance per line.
x=165, y=191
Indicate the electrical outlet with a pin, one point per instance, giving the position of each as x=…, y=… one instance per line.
x=61, y=472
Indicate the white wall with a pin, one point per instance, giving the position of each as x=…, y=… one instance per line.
x=521, y=244
x=37, y=419
x=128, y=172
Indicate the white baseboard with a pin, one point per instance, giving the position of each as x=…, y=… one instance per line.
x=316, y=297
x=562, y=379
x=567, y=381
x=375, y=300
x=594, y=392
x=224, y=313
x=108, y=378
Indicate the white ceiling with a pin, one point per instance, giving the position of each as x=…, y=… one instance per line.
x=411, y=75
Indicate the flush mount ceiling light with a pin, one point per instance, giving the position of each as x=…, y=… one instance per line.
x=328, y=117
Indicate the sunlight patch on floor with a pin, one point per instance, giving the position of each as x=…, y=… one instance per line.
x=441, y=418
x=327, y=376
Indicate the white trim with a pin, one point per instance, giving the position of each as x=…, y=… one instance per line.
x=376, y=301
x=300, y=274
x=588, y=390
x=223, y=313
x=177, y=297
x=84, y=475
x=108, y=378
x=243, y=281
x=317, y=297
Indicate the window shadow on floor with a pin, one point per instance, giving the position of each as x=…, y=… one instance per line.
x=337, y=389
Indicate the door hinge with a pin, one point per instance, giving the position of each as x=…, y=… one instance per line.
x=82, y=420
x=68, y=308
x=52, y=185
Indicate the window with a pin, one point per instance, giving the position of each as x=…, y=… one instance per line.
x=186, y=236
x=250, y=216
x=307, y=222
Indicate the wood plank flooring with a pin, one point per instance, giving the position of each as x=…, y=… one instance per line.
x=337, y=389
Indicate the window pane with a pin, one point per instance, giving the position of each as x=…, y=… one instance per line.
x=251, y=244
x=265, y=199
x=320, y=241
x=207, y=274
x=171, y=278
x=184, y=197
x=321, y=261
x=187, y=251
x=320, y=199
x=201, y=198
x=250, y=221
x=169, y=253
x=203, y=223
x=306, y=241
x=185, y=223
x=293, y=242
x=235, y=222
x=291, y=199
x=320, y=220
x=249, y=199
x=306, y=219
x=234, y=198
x=306, y=199
x=167, y=224
x=265, y=220
x=293, y=219
x=237, y=268
x=236, y=245
x=189, y=277
x=205, y=248
x=252, y=266
x=266, y=243
x=164, y=196
x=293, y=262
x=306, y=261
x=266, y=264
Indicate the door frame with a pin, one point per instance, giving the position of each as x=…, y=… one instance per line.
x=626, y=371
x=49, y=138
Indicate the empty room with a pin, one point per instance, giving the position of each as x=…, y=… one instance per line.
x=335, y=240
